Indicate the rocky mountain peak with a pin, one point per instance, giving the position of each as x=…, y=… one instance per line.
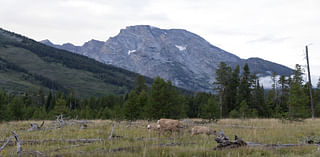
x=183, y=57
x=47, y=42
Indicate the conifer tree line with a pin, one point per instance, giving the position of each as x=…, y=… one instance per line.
x=238, y=94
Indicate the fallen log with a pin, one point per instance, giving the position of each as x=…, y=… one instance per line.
x=19, y=148
x=5, y=144
x=225, y=143
x=35, y=126
x=60, y=121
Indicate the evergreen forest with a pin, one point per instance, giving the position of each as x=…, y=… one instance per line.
x=236, y=95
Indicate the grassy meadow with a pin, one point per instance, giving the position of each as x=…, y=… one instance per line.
x=133, y=139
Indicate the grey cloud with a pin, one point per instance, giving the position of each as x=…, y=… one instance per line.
x=246, y=28
x=269, y=39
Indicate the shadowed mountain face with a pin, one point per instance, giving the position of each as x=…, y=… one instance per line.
x=183, y=57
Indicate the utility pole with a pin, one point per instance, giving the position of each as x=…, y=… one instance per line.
x=310, y=85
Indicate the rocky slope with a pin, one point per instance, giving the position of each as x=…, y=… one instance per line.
x=183, y=57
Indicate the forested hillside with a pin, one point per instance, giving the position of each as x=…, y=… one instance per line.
x=25, y=65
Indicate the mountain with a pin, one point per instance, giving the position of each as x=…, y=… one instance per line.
x=25, y=65
x=185, y=58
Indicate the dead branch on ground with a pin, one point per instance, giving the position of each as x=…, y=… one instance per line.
x=60, y=122
x=35, y=126
x=19, y=148
x=224, y=142
x=5, y=144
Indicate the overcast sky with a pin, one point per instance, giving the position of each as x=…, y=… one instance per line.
x=275, y=30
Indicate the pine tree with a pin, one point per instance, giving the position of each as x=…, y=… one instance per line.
x=117, y=113
x=244, y=109
x=223, y=76
x=257, y=99
x=200, y=100
x=156, y=106
x=16, y=109
x=131, y=108
x=317, y=100
x=89, y=113
x=143, y=100
x=210, y=110
x=106, y=113
x=174, y=105
x=233, y=88
x=3, y=106
x=265, y=112
x=48, y=102
x=71, y=100
x=60, y=107
x=193, y=108
x=140, y=84
x=39, y=113
x=297, y=97
x=244, y=87
x=92, y=102
x=41, y=97
x=271, y=104
x=284, y=94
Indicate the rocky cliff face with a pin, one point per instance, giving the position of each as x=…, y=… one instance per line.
x=183, y=57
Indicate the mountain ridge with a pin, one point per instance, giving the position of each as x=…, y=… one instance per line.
x=183, y=57
x=28, y=65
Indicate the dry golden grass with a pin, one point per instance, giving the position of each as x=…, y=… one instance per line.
x=135, y=140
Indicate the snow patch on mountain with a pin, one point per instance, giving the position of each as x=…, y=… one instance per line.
x=181, y=48
x=131, y=51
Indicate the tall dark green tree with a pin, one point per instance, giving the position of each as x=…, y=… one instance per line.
x=140, y=84
x=71, y=100
x=233, y=88
x=174, y=105
x=156, y=106
x=297, y=98
x=223, y=76
x=60, y=107
x=257, y=97
x=48, y=104
x=131, y=108
x=192, y=107
x=164, y=101
x=272, y=98
x=143, y=100
x=245, y=85
x=195, y=104
x=244, y=109
x=317, y=100
x=3, y=106
x=41, y=97
x=210, y=110
x=16, y=109
x=284, y=93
